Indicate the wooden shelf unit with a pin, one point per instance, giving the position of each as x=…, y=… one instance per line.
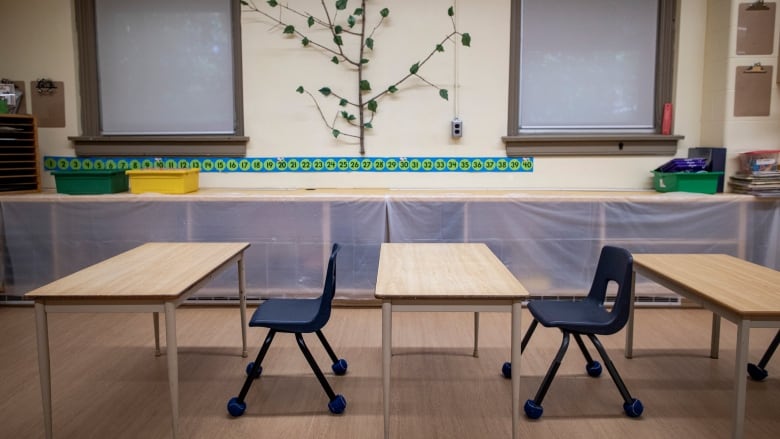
x=19, y=170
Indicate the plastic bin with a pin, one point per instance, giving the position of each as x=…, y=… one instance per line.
x=757, y=162
x=699, y=182
x=163, y=181
x=91, y=182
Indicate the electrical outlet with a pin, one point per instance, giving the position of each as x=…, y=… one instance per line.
x=457, y=127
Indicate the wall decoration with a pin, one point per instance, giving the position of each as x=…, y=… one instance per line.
x=354, y=113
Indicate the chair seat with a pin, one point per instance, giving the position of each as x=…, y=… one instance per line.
x=287, y=315
x=585, y=316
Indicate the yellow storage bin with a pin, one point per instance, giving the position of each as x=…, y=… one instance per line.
x=163, y=181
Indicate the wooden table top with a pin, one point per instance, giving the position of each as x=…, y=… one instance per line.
x=161, y=270
x=444, y=271
x=746, y=289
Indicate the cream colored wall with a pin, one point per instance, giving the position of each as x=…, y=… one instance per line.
x=281, y=122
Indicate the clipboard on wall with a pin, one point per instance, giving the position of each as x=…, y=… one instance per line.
x=752, y=90
x=756, y=28
x=48, y=103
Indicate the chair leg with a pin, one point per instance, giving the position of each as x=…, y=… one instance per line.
x=338, y=365
x=256, y=366
x=552, y=370
x=592, y=367
x=314, y=367
x=612, y=371
x=758, y=372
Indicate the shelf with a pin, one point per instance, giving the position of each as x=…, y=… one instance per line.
x=19, y=171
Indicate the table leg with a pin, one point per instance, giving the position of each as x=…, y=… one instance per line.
x=740, y=378
x=156, y=320
x=476, y=334
x=715, y=338
x=44, y=369
x=515, y=355
x=173, y=364
x=629, y=351
x=387, y=337
x=242, y=302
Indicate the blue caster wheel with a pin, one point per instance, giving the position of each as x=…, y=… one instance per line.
x=594, y=369
x=506, y=370
x=532, y=409
x=249, y=368
x=756, y=373
x=337, y=405
x=634, y=408
x=340, y=367
x=235, y=407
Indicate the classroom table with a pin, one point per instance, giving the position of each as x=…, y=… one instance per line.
x=446, y=277
x=153, y=277
x=744, y=293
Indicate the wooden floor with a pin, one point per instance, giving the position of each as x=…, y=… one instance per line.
x=107, y=383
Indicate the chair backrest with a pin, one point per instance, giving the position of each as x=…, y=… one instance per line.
x=615, y=264
x=329, y=290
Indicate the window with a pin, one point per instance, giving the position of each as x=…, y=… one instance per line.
x=160, y=77
x=590, y=77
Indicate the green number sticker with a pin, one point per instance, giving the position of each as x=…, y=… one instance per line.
x=111, y=164
x=440, y=164
x=354, y=164
x=414, y=164
x=464, y=165
x=147, y=163
x=122, y=164
x=502, y=165
x=208, y=165
x=220, y=165
x=293, y=164
x=343, y=165
x=318, y=164
x=281, y=164
x=490, y=164
x=170, y=164
x=75, y=164
x=135, y=164
x=269, y=164
x=63, y=164
x=49, y=163
x=514, y=164
x=330, y=165
x=305, y=165
x=452, y=164
x=257, y=164
x=244, y=165
x=403, y=165
x=196, y=164
x=527, y=164
x=392, y=164
x=379, y=164
x=365, y=164
x=476, y=164
x=232, y=165
x=183, y=164
x=86, y=164
x=99, y=164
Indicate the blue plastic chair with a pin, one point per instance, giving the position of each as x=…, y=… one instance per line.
x=758, y=371
x=587, y=317
x=296, y=316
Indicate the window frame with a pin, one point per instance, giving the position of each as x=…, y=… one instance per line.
x=92, y=142
x=611, y=143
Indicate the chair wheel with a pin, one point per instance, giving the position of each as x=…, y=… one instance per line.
x=340, y=367
x=594, y=369
x=532, y=409
x=235, y=407
x=337, y=405
x=506, y=370
x=756, y=373
x=634, y=408
x=249, y=368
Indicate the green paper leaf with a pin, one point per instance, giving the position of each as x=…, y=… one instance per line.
x=415, y=67
x=244, y=2
x=370, y=43
x=451, y=11
x=384, y=12
x=465, y=39
x=337, y=39
x=310, y=21
x=364, y=61
x=365, y=85
x=338, y=29
x=305, y=41
x=334, y=60
x=272, y=3
x=368, y=125
x=439, y=48
x=358, y=11
x=335, y=133
x=351, y=20
x=325, y=91
x=392, y=89
x=343, y=102
x=443, y=94
x=341, y=4
x=299, y=89
x=349, y=117
x=372, y=105
x=289, y=29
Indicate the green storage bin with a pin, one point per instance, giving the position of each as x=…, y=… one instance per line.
x=699, y=182
x=91, y=182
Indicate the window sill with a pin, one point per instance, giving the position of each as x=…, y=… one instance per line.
x=590, y=144
x=180, y=146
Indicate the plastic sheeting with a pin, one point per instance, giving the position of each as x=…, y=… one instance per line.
x=550, y=241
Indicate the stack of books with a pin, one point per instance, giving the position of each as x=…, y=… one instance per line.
x=760, y=184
